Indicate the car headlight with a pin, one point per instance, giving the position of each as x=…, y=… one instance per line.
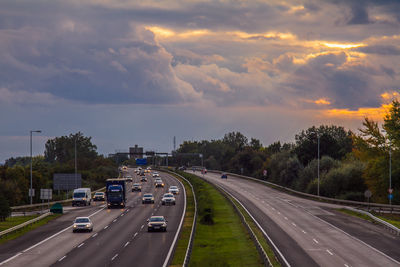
x=87, y=225
x=84, y=198
x=74, y=226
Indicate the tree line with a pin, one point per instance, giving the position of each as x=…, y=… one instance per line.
x=59, y=157
x=349, y=162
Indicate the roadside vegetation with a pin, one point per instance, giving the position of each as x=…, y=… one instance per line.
x=350, y=162
x=13, y=221
x=220, y=237
x=183, y=242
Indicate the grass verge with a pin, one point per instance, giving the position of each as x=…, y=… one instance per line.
x=220, y=239
x=14, y=221
x=259, y=235
x=183, y=242
x=28, y=228
x=393, y=219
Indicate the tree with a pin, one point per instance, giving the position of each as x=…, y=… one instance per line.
x=5, y=210
x=62, y=149
x=236, y=140
x=335, y=142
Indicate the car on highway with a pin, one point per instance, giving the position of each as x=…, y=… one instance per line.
x=82, y=224
x=148, y=198
x=224, y=176
x=129, y=178
x=156, y=174
x=157, y=223
x=143, y=179
x=168, y=199
x=173, y=189
x=136, y=187
x=99, y=196
x=159, y=183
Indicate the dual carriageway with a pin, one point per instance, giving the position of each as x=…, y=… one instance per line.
x=304, y=232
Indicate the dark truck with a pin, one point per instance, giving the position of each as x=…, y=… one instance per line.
x=116, y=192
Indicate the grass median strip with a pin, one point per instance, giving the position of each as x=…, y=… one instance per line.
x=183, y=241
x=220, y=238
x=26, y=229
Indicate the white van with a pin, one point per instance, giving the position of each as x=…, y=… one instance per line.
x=81, y=196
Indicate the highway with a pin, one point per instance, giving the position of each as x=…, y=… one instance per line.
x=119, y=237
x=310, y=233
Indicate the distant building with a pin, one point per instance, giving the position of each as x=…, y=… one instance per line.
x=136, y=152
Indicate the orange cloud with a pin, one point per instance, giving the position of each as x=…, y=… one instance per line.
x=372, y=113
x=322, y=101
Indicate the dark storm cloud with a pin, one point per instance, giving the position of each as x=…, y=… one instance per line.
x=380, y=50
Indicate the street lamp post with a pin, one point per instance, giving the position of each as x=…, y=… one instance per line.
x=390, y=168
x=31, y=191
x=318, y=164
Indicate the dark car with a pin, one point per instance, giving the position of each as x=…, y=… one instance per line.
x=143, y=179
x=224, y=176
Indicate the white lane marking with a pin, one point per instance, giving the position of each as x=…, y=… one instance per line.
x=152, y=214
x=263, y=201
x=273, y=208
x=135, y=235
x=62, y=258
x=329, y=252
x=127, y=243
x=304, y=231
x=122, y=214
x=141, y=227
x=346, y=265
x=279, y=213
x=286, y=218
x=10, y=259
x=315, y=240
x=113, y=258
x=95, y=235
x=114, y=220
x=81, y=245
x=156, y=209
x=105, y=227
x=294, y=224
x=127, y=210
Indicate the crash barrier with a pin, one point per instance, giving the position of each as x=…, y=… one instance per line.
x=191, y=238
x=260, y=249
x=375, y=206
x=15, y=208
x=387, y=225
x=22, y=225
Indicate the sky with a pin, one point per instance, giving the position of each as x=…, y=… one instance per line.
x=141, y=72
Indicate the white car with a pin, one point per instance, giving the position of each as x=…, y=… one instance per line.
x=155, y=174
x=168, y=199
x=82, y=224
x=173, y=189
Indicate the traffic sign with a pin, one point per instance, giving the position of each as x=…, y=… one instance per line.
x=390, y=196
x=367, y=193
x=141, y=161
x=31, y=192
x=390, y=190
x=265, y=172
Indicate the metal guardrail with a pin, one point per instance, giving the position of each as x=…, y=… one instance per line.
x=332, y=200
x=48, y=203
x=191, y=238
x=260, y=249
x=19, y=226
x=389, y=226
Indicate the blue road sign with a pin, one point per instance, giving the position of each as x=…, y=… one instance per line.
x=390, y=196
x=141, y=161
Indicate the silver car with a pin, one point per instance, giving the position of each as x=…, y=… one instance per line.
x=173, y=189
x=168, y=199
x=157, y=223
x=82, y=224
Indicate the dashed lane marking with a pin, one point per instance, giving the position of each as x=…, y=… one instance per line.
x=127, y=243
x=95, y=235
x=329, y=252
x=315, y=240
x=113, y=258
x=286, y=218
x=62, y=258
x=141, y=227
x=304, y=232
x=135, y=235
x=114, y=220
x=294, y=224
x=105, y=227
x=81, y=245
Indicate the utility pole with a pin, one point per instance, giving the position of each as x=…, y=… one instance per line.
x=318, y=163
x=31, y=190
x=76, y=167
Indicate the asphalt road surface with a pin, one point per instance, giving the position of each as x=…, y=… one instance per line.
x=119, y=237
x=310, y=233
